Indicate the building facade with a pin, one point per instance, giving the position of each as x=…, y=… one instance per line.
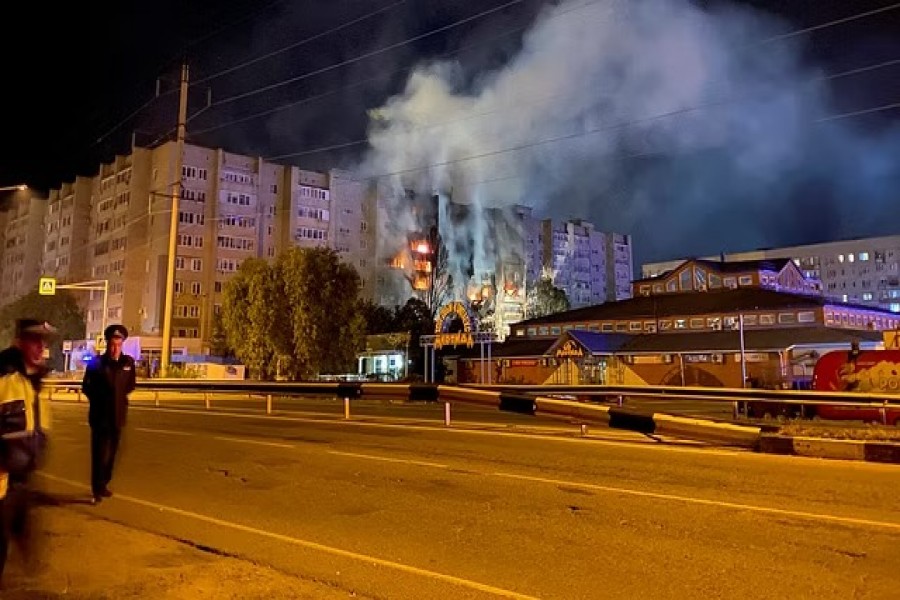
x=21, y=244
x=864, y=271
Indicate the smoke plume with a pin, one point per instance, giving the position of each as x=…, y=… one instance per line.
x=691, y=129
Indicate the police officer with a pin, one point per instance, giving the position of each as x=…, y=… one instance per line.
x=108, y=381
x=24, y=421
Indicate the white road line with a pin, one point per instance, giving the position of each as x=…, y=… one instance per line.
x=405, y=461
x=716, y=503
x=164, y=431
x=257, y=442
x=458, y=581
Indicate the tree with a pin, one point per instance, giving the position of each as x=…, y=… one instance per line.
x=218, y=343
x=250, y=317
x=378, y=319
x=545, y=299
x=60, y=310
x=321, y=295
x=440, y=283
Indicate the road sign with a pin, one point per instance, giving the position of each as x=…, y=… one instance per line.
x=47, y=286
x=67, y=345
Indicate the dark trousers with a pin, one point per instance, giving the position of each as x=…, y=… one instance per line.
x=15, y=521
x=104, y=445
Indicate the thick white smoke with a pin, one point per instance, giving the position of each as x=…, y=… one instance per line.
x=626, y=113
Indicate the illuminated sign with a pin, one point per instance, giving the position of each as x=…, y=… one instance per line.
x=569, y=350
x=460, y=338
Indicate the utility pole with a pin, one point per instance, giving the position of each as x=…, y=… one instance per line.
x=173, y=225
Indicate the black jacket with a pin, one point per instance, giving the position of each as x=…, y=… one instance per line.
x=106, y=384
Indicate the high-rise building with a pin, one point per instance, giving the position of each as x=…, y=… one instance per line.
x=21, y=244
x=115, y=227
x=861, y=271
x=68, y=242
x=591, y=266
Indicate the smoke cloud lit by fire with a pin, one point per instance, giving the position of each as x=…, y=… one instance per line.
x=618, y=111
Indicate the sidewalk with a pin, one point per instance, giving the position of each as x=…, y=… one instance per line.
x=86, y=557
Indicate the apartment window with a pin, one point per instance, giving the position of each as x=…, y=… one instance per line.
x=189, y=218
x=234, y=243
x=270, y=252
x=274, y=188
x=239, y=199
x=895, y=307
x=867, y=296
x=179, y=263
x=235, y=177
x=217, y=286
x=318, y=214
x=308, y=233
x=193, y=195
x=179, y=287
x=197, y=264
x=863, y=256
x=194, y=173
x=196, y=288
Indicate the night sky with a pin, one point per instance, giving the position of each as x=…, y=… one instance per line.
x=72, y=78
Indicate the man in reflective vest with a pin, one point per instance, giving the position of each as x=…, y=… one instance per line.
x=24, y=421
x=108, y=381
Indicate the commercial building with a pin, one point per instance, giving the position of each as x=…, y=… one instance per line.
x=690, y=332
x=863, y=271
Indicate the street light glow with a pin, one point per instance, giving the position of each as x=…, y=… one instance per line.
x=19, y=187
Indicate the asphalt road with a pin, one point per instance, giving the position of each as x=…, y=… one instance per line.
x=390, y=510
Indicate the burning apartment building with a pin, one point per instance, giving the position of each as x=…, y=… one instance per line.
x=438, y=249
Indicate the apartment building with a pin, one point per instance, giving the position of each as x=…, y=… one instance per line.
x=68, y=242
x=591, y=266
x=21, y=244
x=862, y=271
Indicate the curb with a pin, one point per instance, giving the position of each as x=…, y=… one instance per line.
x=882, y=452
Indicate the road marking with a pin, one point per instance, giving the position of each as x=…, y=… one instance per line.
x=405, y=461
x=716, y=503
x=458, y=581
x=257, y=442
x=164, y=431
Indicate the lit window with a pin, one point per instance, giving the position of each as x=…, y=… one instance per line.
x=840, y=258
x=851, y=258
x=863, y=256
x=867, y=296
x=895, y=307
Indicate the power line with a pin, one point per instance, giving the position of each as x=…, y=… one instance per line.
x=360, y=83
x=603, y=129
x=349, y=61
x=840, y=21
x=857, y=113
x=307, y=40
x=511, y=32
x=521, y=105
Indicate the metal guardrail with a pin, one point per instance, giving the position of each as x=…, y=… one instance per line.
x=530, y=400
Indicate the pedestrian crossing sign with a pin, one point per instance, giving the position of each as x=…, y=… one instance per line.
x=47, y=286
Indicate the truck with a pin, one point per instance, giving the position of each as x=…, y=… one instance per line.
x=859, y=372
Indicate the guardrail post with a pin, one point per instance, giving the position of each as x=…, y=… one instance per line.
x=735, y=410
x=78, y=396
x=268, y=404
x=446, y=414
x=346, y=407
x=620, y=400
x=156, y=399
x=206, y=399
x=584, y=429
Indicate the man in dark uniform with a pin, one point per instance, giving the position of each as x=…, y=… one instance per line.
x=108, y=381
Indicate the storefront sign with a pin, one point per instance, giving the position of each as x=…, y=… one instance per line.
x=446, y=315
x=524, y=362
x=569, y=350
